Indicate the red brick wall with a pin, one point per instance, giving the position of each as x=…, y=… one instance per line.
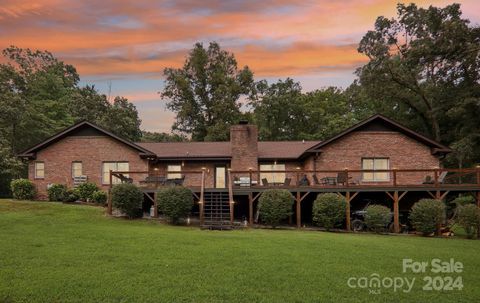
x=92, y=151
x=244, y=144
x=402, y=151
x=191, y=179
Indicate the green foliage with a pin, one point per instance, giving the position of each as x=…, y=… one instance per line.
x=128, y=199
x=427, y=215
x=22, y=189
x=71, y=195
x=57, y=192
x=162, y=137
x=468, y=217
x=329, y=210
x=205, y=93
x=40, y=95
x=283, y=112
x=99, y=197
x=423, y=71
x=175, y=202
x=377, y=217
x=463, y=200
x=85, y=191
x=275, y=205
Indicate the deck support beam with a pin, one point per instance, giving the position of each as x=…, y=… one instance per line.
x=109, y=207
x=478, y=203
x=155, y=206
x=347, y=211
x=396, y=213
x=250, y=209
x=299, y=210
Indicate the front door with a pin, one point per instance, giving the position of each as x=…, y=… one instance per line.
x=220, y=176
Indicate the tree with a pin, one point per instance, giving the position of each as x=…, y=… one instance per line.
x=283, y=112
x=205, y=93
x=424, y=67
x=161, y=137
x=122, y=119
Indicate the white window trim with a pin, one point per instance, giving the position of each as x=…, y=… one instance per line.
x=35, y=170
x=176, y=173
x=75, y=162
x=104, y=172
x=374, y=179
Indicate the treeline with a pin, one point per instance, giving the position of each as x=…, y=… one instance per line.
x=423, y=71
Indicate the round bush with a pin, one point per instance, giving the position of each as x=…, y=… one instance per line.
x=57, y=192
x=23, y=189
x=85, y=191
x=275, y=205
x=329, y=210
x=71, y=195
x=127, y=198
x=427, y=215
x=468, y=217
x=377, y=217
x=99, y=197
x=175, y=202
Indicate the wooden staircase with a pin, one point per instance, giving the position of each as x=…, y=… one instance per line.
x=216, y=211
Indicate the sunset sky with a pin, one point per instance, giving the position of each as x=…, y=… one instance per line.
x=129, y=43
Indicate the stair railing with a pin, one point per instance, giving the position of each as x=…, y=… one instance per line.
x=230, y=194
x=201, y=201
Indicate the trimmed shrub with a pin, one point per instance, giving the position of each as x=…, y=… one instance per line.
x=377, y=217
x=463, y=200
x=99, y=197
x=85, y=191
x=23, y=189
x=71, y=195
x=175, y=202
x=127, y=198
x=275, y=205
x=468, y=217
x=57, y=192
x=329, y=210
x=427, y=215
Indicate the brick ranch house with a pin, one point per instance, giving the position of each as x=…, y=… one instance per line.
x=377, y=156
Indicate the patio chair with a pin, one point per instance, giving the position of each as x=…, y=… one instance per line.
x=264, y=182
x=287, y=182
x=343, y=179
x=315, y=180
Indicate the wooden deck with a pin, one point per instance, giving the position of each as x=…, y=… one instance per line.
x=443, y=181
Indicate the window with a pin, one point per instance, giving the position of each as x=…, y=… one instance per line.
x=273, y=177
x=39, y=170
x=220, y=180
x=174, y=168
x=77, y=169
x=114, y=166
x=375, y=164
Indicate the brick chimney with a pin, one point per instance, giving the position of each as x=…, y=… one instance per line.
x=244, y=146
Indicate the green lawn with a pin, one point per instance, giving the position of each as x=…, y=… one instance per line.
x=51, y=252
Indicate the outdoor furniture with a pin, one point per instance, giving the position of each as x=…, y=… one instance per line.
x=315, y=180
x=304, y=181
x=440, y=179
x=123, y=178
x=244, y=181
x=343, y=179
x=175, y=181
x=329, y=181
x=287, y=182
x=264, y=182
x=155, y=180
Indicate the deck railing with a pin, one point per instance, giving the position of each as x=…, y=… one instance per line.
x=344, y=178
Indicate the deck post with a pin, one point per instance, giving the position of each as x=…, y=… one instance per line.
x=155, y=205
x=347, y=210
x=478, y=205
x=250, y=209
x=201, y=203
x=230, y=195
x=109, y=207
x=299, y=210
x=396, y=216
